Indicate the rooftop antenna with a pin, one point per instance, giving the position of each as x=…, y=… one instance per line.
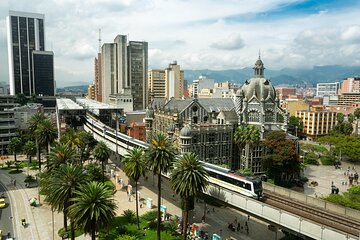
x=259, y=53
x=99, y=39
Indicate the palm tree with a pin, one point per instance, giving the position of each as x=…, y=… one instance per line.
x=15, y=146
x=46, y=134
x=160, y=156
x=30, y=149
x=34, y=122
x=188, y=179
x=246, y=134
x=71, y=138
x=102, y=153
x=93, y=207
x=134, y=167
x=59, y=187
x=61, y=154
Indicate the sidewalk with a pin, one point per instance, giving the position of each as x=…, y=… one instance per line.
x=41, y=225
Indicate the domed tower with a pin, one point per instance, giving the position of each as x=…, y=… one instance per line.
x=171, y=130
x=149, y=118
x=259, y=103
x=185, y=139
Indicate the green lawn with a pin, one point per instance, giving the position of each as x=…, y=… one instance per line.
x=122, y=226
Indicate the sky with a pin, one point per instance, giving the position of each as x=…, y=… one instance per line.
x=199, y=34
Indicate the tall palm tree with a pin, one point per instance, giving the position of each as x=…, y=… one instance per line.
x=71, y=138
x=188, y=179
x=357, y=115
x=93, y=207
x=59, y=187
x=29, y=149
x=246, y=134
x=34, y=123
x=134, y=167
x=61, y=154
x=15, y=146
x=46, y=134
x=160, y=156
x=102, y=153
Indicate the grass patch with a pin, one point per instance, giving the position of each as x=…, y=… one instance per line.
x=121, y=227
x=15, y=171
x=320, y=148
x=78, y=232
x=33, y=163
x=328, y=160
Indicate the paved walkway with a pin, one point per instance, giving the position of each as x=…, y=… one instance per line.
x=41, y=222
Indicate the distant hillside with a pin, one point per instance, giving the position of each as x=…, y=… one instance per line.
x=284, y=76
x=81, y=88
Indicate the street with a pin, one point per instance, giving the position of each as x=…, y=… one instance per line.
x=6, y=219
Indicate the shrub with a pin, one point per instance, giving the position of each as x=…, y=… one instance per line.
x=9, y=163
x=150, y=216
x=29, y=178
x=172, y=228
x=311, y=158
x=328, y=160
x=126, y=237
x=129, y=215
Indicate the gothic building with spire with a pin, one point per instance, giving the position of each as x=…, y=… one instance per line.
x=206, y=126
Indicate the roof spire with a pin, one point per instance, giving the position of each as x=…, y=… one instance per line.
x=259, y=54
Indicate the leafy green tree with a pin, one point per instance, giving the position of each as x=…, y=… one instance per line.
x=61, y=154
x=15, y=146
x=351, y=118
x=34, y=123
x=357, y=116
x=160, y=156
x=93, y=207
x=340, y=117
x=102, y=153
x=188, y=179
x=93, y=171
x=59, y=187
x=21, y=99
x=134, y=167
x=30, y=149
x=343, y=128
x=281, y=156
x=295, y=125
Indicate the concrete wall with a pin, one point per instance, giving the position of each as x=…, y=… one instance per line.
x=317, y=202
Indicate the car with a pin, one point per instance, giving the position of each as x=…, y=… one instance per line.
x=2, y=202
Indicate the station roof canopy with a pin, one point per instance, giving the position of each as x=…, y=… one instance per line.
x=96, y=107
x=67, y=104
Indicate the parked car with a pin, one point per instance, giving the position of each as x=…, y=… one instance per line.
x=2, y=202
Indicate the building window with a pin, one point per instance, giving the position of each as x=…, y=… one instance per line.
x=195, y=120
x=194, y=108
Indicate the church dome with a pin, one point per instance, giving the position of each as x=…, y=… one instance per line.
x=171, y=127
x=185, y=132
x=258, y=86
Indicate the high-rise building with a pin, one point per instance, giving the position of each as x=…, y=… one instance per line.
x=123, y=66
x=174, y=82
x=138, y=67
x=108, y=71
x=97, y=82
x=43, y=73
x=351, y=85
x=157, y=83
x=167, y=83
x=25, y=33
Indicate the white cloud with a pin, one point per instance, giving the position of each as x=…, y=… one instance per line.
x=198, y=34
x=230, y=43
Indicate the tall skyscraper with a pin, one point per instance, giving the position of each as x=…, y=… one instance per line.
x=25, y=33
x=43, y=73
x=123, y=67
x=138, y=67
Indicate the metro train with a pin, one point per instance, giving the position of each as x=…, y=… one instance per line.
x=222, y=177
x=248, y=186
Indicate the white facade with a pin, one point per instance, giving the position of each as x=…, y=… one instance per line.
x=107, y=71
x=327, y=89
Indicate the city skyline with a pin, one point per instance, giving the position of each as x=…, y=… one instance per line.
x=199, y=35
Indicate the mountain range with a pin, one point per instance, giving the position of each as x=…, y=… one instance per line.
x=286, y=76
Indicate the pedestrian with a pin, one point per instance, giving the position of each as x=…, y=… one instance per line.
x=208, y=211
x=238, y=227
x=220, y=232
x=14, y=182
x=213, y=209
x=247, y=229
x=248, y=217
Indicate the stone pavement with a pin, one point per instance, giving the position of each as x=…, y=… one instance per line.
x=41, y=220
x=325, y=176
